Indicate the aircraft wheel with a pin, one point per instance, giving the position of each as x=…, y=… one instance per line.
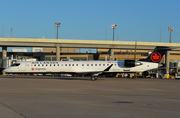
x=93, y=78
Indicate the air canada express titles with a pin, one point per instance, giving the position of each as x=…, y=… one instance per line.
x=45, y=62
x=40, y=68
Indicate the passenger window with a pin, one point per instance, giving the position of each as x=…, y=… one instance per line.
x=58, y=64
x=42, y=64
x=69, y=64
x=107, y=64
x=103, y=64
x=46, y=65
x=91, y=64
x=34, y=64
x=82, y=64
x=99, y=64
x=50, y=64
x=65, y=64
x=95, y=64
x=61, y=64
x=72, y=64
x=54, y=64
x=76, y=64
x=38, y=64
x=87, y=64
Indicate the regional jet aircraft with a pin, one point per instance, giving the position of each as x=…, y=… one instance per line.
x=93, y=68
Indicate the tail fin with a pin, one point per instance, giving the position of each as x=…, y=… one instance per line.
x=157, y=54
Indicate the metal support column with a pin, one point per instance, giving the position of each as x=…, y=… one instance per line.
x=4, y=56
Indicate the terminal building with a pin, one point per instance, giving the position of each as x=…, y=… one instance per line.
x=46, y=50
x=49, y=54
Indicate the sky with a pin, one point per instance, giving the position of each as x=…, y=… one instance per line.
x=141, y=20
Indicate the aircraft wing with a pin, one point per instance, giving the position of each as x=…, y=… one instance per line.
x=89, y=72
x=97, y=72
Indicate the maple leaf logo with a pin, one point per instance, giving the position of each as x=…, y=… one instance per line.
x=156, y=57
x=32, y=68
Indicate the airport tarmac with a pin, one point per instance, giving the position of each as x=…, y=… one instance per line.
x=76, y=97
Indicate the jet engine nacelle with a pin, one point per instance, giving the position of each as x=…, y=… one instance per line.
x=131, y=63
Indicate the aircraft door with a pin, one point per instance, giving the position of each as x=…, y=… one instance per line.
x=23, y=66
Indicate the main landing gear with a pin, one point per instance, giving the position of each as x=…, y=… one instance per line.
x=93, y=77
x=12, y=76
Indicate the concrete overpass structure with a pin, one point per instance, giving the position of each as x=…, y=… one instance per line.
x=67, y=43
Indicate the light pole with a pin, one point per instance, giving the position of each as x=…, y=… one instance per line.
x=57, y=25
x=11, y=32
x=113, y=27
x=170, y=29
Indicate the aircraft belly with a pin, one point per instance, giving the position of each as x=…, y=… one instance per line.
x=144, y=67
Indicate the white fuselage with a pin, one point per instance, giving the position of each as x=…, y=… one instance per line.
x=77, y=67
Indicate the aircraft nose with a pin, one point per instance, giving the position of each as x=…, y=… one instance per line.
x=6, y=70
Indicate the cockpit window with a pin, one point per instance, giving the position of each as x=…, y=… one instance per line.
x=16, y=64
